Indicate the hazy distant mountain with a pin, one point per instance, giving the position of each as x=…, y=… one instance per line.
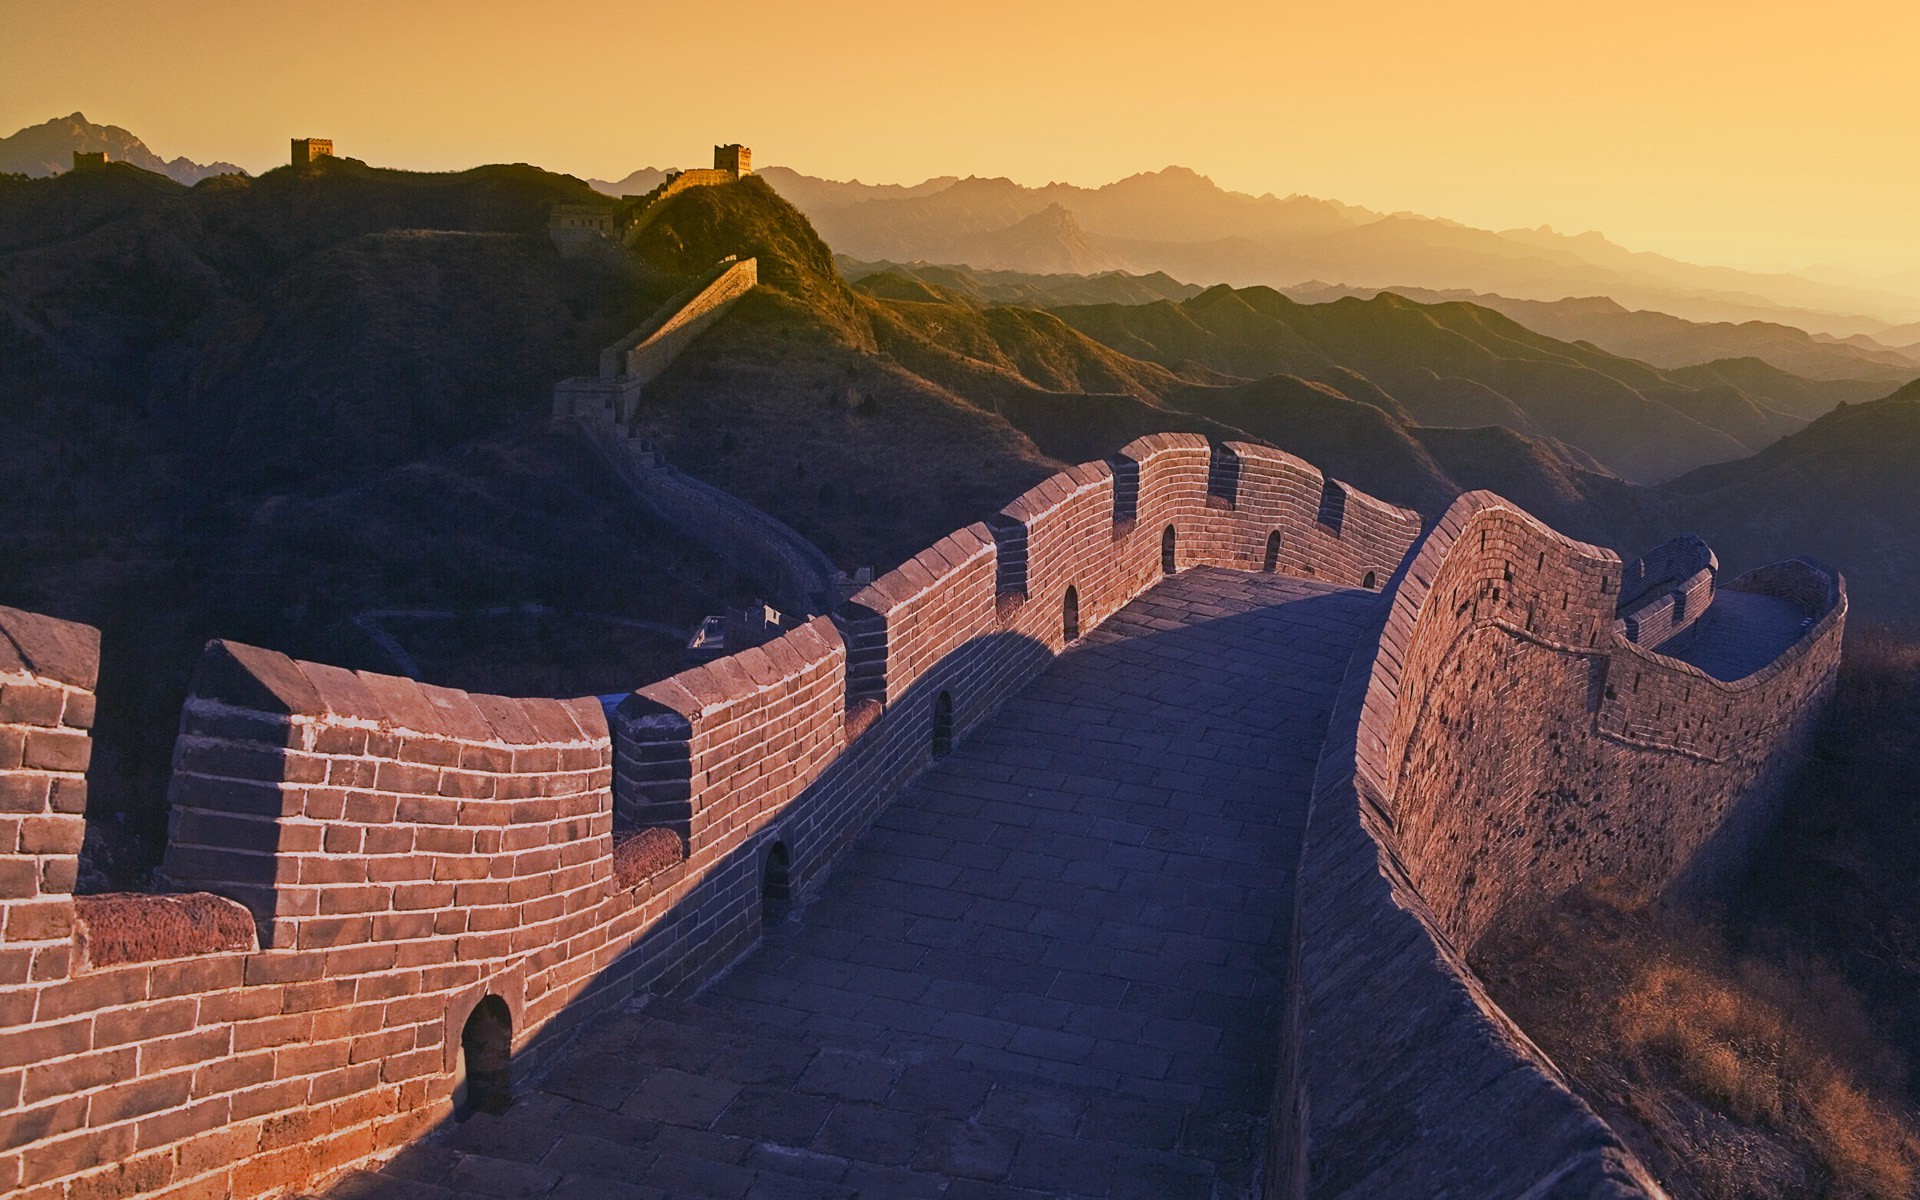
x=1843, y=488
x=47, y=149
x=1459, y=365
x=804, y=191
x=1905, y=337
x=975, y=286
x=1050, y=242
x=922, y=226
x=1669, y=341
x=811, y=192
x=1181, y=223
x=1897, y=281
x=637, y=183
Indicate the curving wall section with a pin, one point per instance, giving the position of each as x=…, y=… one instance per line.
x=1504, y=739
x=374, y=861
x=797, y=575
x=368, y=863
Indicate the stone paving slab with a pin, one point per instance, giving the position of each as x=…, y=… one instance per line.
x=1052, y=968
x=1739, y=633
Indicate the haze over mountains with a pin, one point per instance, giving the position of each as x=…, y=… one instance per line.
x=1460, y=366
x=47, y=149
x=1179, y=222
x=261, y=407
x=1666, y=340
x=1752, y=351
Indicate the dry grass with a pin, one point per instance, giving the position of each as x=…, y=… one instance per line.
x=1768, y=1050
x=1731, y=1041
x=1735, y=1077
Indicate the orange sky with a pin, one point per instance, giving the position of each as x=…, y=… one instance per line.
x=1754, y=134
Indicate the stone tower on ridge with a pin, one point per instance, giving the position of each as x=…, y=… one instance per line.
x=733, y=157
x=305, y=150
x=83, y=159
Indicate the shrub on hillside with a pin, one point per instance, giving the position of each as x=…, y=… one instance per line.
x=1733, y=1076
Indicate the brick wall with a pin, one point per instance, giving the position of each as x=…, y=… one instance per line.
x=748, y=733
x=1491, y=750
x=956, y=630
x=648, y=207
x=352, y=809
x=1287, y=511
x=404, y=851
x=1664, y=592
x=653, y=355
x=628, y=365
x=47, y=673
x=797, y=575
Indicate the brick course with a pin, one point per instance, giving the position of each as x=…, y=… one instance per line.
x=48, y=669
x=404, y=851
x=1505, y=738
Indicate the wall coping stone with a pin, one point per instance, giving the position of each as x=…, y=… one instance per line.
x=63, y=651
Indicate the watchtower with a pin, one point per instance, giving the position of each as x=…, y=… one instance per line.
x=733, y=157
x=83, y=159
x=305, y=150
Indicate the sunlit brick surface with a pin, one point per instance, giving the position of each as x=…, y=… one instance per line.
x=1053, y=967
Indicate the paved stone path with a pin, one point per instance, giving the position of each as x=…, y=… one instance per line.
x=1739, y=633
x=1052, y=968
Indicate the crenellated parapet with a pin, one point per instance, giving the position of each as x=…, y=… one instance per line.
x=1506, y=738
x=395, y=899
x=626, y=367
x=377, y=875
x=48, y=670
x=353, y=809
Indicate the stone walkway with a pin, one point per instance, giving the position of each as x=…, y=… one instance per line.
x=1739, y=633
x=1053, y=968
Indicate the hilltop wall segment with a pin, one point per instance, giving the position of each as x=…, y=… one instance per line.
x=403, y=852
x=377, y=856
x=798, y=575
x=795, y=572
x=1503, y=740
x=627, y=366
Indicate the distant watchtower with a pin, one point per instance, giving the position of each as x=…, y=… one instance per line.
x=305, y=150
x=84, y=159
x=733, y=157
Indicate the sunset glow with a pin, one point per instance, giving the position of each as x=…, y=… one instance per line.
x=1756, y=135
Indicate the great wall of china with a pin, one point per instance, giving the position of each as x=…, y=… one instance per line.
x=395, y=907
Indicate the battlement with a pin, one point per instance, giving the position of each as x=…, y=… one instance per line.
x=384, y=867
x=48, y=670
x=583, y=229
x=1509, y=734
x=404, y=851
x=88, y=159
x=307, y=150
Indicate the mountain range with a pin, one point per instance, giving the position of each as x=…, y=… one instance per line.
x=869, y=414
x=1180, y=222
x=1459, y=365
x=47, y=149
x=1834, y=369
x=259, y=408
x=1669, y=341
x=972, y=285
